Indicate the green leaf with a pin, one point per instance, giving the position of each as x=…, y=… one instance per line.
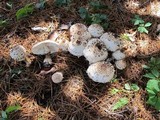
x=153, y=85
x=97, y=5
x=60, y=3
x=23, y=12
x=155, y=72
x=83, y=13
x=127, y=86
x=137, y=20
x=145, y=66
x=134, y=87
x=148, y=24
x=142, y=29
x=149, y=75
x=12, y=108
x=4, y=114
x=122, y=102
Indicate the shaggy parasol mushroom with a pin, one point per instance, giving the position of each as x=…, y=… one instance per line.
x=110, y=41
x=118, y=55
x=46, y=48
x=101, y=72
x=57, y=77
x=96, y=30
x=18, y=53
x=78, y=41
x=75, y=28
x=120, y=64
x=95, y=51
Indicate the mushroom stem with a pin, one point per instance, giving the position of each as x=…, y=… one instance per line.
x=47, y=61
x=27, y=61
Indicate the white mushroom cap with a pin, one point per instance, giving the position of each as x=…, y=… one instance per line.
x=57, y=77
x=96, y=30
x=77, y=27
x=18, y=53
x=118, y=55
x=120, y=64
x=45, y=47
x=95, y=51
x=110, y=41
x=81, y=36
x=76, y=47
x=101, y=72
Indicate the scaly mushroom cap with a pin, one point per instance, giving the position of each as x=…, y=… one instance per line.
x=57, y=77
x=18, y=53
x=45, y=47
x=110, y=41
x=76, y=47
x=120, y=64
x=101, y=72
x=118, y=55
x=95, y=51
x=81, y=36
x=78, y=27
x=96, y=30
x=61, y=38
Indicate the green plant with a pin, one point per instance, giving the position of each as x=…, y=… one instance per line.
x=93, y=18
x=132, y=86
x=153, y=84
x=8, y=110
x=142, y=26
x=25, y=11
x=121, y=102
x=60, y=3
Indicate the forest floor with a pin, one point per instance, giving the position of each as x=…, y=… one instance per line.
x=40, y=98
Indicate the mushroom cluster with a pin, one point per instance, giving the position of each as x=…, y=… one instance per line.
x=100, y=48
x=97, y=46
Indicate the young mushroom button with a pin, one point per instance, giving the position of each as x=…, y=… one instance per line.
x=46, y=48
x=118, y=55
x=96, y=30
x=120, y=64
x=57, y=77
x=18, y=53
x=110, y=41
x=95, y=51
x=101, y=72
x=74, y=29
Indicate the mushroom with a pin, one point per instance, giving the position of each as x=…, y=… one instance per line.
x=61, y=38
x=18, y=53
x=118, y=55
x=120, y=64
x=101, y=72
x=57, y=77
x=95, y=51
x=78, y=43
x=77, y=27
x=76, y=47
x=110, y=41
x=96, y=30
x=46, y=48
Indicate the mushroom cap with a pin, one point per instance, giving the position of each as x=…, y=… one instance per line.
x=101, y=72
x=78, y=27
x=95, y=51
x=76, y=47
x=96, y=30
x=57, y=77
x=120, y=64
x=110, y=41
x=45, y=47
x=81, y=36
x=118, y=55
x=18, y=53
